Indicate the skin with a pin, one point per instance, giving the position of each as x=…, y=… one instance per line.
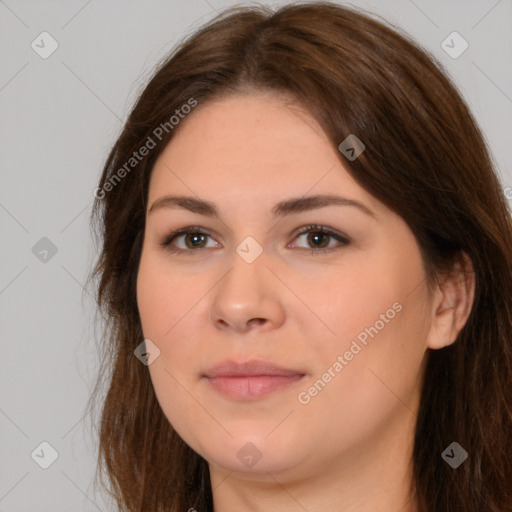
x=349, y=448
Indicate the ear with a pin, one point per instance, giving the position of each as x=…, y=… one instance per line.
x=452, y=303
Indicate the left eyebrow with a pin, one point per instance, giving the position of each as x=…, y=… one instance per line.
x=307, y=203
x=281, y=209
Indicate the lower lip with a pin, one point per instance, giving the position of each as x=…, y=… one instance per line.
x=247, y=388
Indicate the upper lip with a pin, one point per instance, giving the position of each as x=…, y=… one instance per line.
x=231, y=368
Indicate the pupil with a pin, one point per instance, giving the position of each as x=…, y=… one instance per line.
x=315, y=235
x=195, y=236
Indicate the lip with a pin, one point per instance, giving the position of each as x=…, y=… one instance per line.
x=250, y=368
x=250, y=380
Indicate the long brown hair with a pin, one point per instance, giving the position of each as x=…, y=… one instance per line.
x=425, y=158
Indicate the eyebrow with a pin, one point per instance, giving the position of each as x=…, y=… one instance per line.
x=281, y=209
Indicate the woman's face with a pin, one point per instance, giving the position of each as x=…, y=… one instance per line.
x=349, y=319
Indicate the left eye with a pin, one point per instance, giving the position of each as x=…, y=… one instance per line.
x=195, y=238
x=319, y=237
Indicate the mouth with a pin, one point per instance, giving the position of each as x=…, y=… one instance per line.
x=250, y=380
x=253, y=387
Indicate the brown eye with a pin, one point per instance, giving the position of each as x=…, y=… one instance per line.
x=196, y=240
x=192, y=237
x=318, y=238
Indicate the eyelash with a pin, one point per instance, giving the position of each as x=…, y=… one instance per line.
x=196, y=230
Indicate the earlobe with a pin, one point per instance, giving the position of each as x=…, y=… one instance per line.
x=452, y=304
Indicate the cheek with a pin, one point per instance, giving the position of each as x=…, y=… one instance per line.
x=163, y=305
x=345, y=302
x=359, y=387
x=168, y=309
x=163, y=298
x=146, y=301
x=378, y=318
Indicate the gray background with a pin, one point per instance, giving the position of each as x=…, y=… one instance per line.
x=58, y=118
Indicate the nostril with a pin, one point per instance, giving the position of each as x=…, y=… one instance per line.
x=257, y=321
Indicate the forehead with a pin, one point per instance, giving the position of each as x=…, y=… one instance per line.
x=251, y=149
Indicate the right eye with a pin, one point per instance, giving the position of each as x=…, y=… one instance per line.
x=193, y=237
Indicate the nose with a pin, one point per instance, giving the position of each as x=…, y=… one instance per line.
x=247, y=297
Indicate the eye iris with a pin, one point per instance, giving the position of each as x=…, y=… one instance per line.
x=315, y=235
x=194, y=236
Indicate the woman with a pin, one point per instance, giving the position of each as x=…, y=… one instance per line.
x=306, y=274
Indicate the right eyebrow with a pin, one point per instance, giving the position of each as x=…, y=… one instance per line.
x=281, y=209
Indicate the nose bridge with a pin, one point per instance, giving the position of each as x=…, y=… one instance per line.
x=245, y=293
x=246, y=279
